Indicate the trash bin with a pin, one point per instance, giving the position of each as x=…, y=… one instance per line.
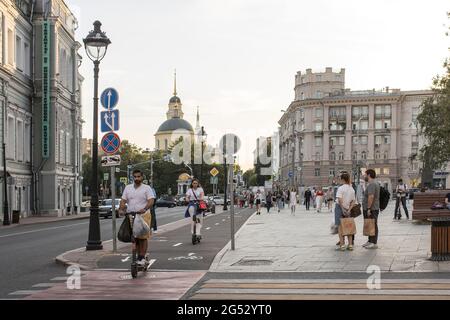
x=16, y=217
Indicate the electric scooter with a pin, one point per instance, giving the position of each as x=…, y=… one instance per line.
x=135, y=268
x=195, y=238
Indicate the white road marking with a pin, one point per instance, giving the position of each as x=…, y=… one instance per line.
x=152, y=261
x=190, y=254
x=126, y=259
x=24, y=292
x=46, y=229
x=43, y=285
x=217, y=224
x=60, y=279
x=177, y=245
x=223, y=220
x=208, y=228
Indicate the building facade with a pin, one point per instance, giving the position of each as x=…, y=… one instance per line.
x=41, y=107
x=328, y=129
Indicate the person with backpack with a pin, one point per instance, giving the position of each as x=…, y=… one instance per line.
x=308, y=197
x=401, y=191
x=269, y=200
x=371, y=205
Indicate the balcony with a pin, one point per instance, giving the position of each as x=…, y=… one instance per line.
x=360, y=132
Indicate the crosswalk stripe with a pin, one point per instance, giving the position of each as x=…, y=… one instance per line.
x=43, y=285
x=24, y=292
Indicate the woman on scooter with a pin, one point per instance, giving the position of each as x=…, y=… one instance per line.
x=195, y=195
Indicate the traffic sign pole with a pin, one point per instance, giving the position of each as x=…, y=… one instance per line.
x=113, y=197
x=233, y=247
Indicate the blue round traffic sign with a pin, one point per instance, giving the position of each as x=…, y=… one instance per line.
x=109, y=99
x=111, y=143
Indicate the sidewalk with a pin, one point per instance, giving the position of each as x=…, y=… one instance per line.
x=39, y=220
x=303, y=243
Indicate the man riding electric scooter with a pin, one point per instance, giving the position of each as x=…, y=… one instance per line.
x=139, y=199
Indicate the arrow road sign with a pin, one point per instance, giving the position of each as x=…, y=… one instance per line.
x=109, y=99
x=110, y=121
x=111, y=161
x=111, y=143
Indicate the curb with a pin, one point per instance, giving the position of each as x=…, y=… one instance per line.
x=41, y=222
x=66, y=263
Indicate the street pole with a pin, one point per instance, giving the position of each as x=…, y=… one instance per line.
x=201, y=165
x=94, y=242
x=113, y=197
x=225, y=207
x=231, y=177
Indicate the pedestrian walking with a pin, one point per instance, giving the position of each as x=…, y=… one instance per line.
x=293, y=200
x=345, y=199
x=313, y=199
x=280, y=201
x=252, y=200
x=401, y=191
x=153, y=213
x=259, y=198
x=330, y=199
x=371, y=205
x=139, y=199
x=269, y=200
x=308, y=198
x=319, y=200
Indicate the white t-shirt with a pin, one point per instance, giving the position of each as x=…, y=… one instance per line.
x=198, y=192
x=347, y=194
x=137, y=198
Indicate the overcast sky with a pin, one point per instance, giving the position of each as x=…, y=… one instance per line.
x=237, y=59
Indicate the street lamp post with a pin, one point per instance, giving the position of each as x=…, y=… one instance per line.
x=203, y=135
x=96, y=45
x=6, y=220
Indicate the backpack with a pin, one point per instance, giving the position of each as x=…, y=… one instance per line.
x=385, y=196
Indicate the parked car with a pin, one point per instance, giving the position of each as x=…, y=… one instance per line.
x=181, y=201
x=166, y=202
x=218, y=200
x=105, y=208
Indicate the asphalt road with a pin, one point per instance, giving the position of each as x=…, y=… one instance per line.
x=27, y=253
x=174, y=250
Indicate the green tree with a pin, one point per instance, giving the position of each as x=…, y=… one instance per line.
x=434, y=123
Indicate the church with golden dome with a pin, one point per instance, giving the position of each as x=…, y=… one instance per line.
x=175, y=126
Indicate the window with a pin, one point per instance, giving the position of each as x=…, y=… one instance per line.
x=355, y=156
x=333, y=141
x=302, y=96
x=319, y=112
x=378, y=124
x=157, y=144
x=11, y=152
x=364, y=155
x=378, y=171
x=387, y=171
x=68, y=153
x=342, y=141
x=318, y=141
x=332, y=172
x=387, y=124
x=19, y=141
x=387, y=139
x=378, y=140
x=319, y=126
x=319, y=78
x=383, y=111
x=364, y=139
x=166, y=144
x=341, y=156
x=387, y=111
x=319, y=95
x=360, y=125
x=27, y=145
x=27, y=59
x=378, y=155
x=355, y=140
x=317, y=172
x=386, y=155
x=62, y=148
x=332, y=156
x=19, y=54
x=10, y=47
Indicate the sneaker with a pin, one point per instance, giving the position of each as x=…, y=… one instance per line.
x=141, y=263
x=343, y=248
x=366, y=244
x=372, y=246
x=350, y=248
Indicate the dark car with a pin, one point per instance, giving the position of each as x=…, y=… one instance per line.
x=105, y=208
x=166, y=202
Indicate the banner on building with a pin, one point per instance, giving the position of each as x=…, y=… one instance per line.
x=46, y=89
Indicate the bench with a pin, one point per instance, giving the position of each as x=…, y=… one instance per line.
x=440, y=222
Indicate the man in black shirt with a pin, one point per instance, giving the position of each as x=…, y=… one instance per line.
x=308, y=196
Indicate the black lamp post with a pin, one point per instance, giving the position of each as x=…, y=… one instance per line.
x=6, y=220
x=203, y=136
x=96, y=45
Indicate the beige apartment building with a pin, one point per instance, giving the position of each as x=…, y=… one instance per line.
x=328, y=129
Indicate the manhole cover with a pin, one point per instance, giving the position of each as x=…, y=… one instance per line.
x=251, y=262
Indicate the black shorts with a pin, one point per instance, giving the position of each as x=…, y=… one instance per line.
x=258, y=201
